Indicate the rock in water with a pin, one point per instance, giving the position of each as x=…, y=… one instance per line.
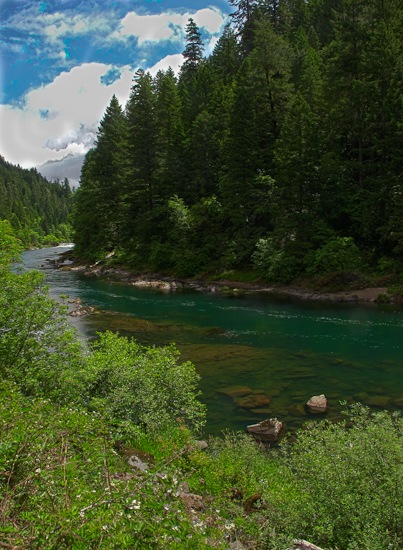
x=317, y=404
x=254, y=400
x=267, y=430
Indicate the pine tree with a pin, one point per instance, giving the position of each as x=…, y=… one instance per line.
x=193, y=53
x=170, y=135
x=109, y=173
x=141, y=185
x=243, y=21
x=270, y=62
x=226, y=57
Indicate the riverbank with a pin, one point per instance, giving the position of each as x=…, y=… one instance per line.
x=170, y=284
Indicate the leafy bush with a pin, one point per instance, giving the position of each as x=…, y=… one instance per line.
x=340, y=254
x=273, y=262
x=352, y=473
x=160, y=256
x=145, y=387
x=38, y=350
x=62, y=485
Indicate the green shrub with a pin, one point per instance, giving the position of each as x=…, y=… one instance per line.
x=38, y=349
x=340, y=254
x=131, y=385
x=160, y=256
x=63, y=486
x=353, y=474
x=273, y=262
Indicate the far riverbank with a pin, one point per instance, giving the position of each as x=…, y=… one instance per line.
x=168, y=284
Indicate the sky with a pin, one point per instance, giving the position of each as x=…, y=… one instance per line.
x=62, y=60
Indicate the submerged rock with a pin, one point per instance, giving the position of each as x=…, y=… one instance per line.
x=267, y=430
x=255, y=400
x=235, y=391
x=317, y=404
x=397, y=402
x=297, y=410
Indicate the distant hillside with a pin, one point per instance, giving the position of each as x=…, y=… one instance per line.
x=37, y=209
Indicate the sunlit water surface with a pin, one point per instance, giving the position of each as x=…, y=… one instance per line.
x=290, y=350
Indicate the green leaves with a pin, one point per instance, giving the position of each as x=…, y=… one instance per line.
x=10, y=246
x=340, y=255
x=149, y=388
x=354, y=478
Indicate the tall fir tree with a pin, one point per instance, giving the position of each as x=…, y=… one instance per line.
x=102, y=192
x=170, y=135
x=142, y=142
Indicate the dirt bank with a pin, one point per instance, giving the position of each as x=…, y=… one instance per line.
x=366, y=295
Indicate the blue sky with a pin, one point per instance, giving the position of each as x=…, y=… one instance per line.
x=62, y=60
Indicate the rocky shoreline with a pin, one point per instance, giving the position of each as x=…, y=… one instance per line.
x=170, y=284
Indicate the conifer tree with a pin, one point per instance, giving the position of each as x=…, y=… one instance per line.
x=141, y=182
x=170, y=134
x=109, y=166
x=193, y=53
x=243, y=21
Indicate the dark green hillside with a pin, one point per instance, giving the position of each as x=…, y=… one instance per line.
x=281, y=149
x=37, y=209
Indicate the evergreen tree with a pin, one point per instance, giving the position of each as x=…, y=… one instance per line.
x=243, y=21
x=270, y=62
x=88, y=225
x=226, y=57
x=140, y=112
x=102, y=186
x=37, y=209
x=170, y=134
x=193, y=53
x=288, y=135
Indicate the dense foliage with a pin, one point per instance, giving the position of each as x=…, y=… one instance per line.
x=282, y=146
x=71, y=415
x=37, y=209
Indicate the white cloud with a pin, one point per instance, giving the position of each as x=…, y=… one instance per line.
x=173, y=61
x=150, y=28
x=61, y=118
x=208, y=18
x=61, y=25
x=57, y=123
x=54, y=26
x=106, y=26
x=168, y=25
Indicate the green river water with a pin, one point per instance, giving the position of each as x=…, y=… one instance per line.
x=288, y=349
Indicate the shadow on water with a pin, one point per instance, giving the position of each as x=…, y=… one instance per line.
x=277, y=348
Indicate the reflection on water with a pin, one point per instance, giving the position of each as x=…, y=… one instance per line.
x=288, y=350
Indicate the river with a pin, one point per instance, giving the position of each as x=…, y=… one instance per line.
x=289, y=350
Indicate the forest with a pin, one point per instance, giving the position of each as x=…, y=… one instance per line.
x=279, y=154
x=37, y=209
